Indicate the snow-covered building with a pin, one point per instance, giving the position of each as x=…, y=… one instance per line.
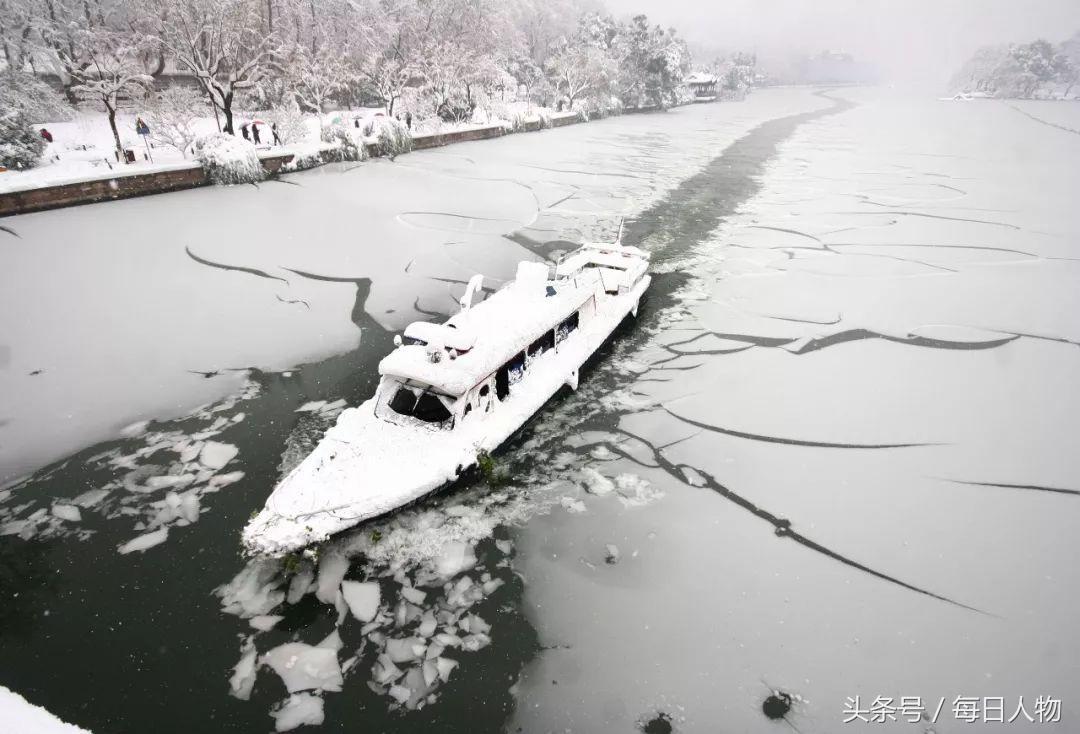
x=835, y=67
x=703, y=85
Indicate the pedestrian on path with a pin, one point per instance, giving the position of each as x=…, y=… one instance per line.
x=244, y=131
x=46, y=135
x=255, y=133
x=273, y=129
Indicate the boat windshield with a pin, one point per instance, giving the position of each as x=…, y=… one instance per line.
x=417, y=403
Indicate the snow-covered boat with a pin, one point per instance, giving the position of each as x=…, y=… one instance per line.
x=451, y=391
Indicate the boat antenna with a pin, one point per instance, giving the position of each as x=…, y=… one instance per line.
x=618, y=240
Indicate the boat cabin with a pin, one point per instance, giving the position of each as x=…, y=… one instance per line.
x=441, y=374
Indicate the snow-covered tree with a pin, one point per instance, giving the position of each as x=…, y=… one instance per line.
x=528, y=76
x=17, y=32
x=736, y=72
x=315, y=76
x=60, y=30
x=647, y=63
x=224, y=44
x=652, y=63
x=1071, y=49
x=1066, y=71
x=290, y=122
x=388, y=62
x=38, y=101
x=21, y=145
x=172, y=115
x=543, y=24
x=581, y=71
x=1018, y=70
x=979, y=73
x=112, y=70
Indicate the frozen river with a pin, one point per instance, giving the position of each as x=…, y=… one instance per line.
x=835, y=455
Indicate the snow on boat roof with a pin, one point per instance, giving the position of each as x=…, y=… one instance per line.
x=504, y=324
x=450, y=337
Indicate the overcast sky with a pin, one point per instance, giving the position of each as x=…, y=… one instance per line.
x=910, y=41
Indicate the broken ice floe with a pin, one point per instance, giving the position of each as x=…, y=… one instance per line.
x=243, y=677
x=611, y=554
x=299, y=709
x=144, y=542
x=158, y=475
x=322, y=406
x=304, y=667
x=632, y=490
x=264, y=622
x=362, y=598
x=572, y=505
x=67, y=512
x=215, y=455
x=595, y=482
x=416, y=609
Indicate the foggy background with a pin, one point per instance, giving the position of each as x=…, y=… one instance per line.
x=915, y=43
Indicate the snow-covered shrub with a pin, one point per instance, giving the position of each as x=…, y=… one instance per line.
x=228, y=159
x=38, y=101
x=21, y=145
x=290, y=122
x=511, y=118
x=346, y=145
x=603, y=107
x=389, y=135
x=303, y=160
x=172, y=116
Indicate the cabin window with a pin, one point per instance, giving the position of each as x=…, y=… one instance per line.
x=403, y=401
x=468, y=409
x=541, y=345
x=485, y=391
x=412, y=340
x=567, y=326
x=424, y=406
x=516, y=368
x=430, y=409
x=509, y=374
x=502, y=382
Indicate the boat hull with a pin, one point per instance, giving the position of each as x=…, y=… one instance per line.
x=366, y=467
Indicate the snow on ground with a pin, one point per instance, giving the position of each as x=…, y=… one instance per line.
x=101, y=329
x=19, y=716
x=83, y=148
x=874, y=359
